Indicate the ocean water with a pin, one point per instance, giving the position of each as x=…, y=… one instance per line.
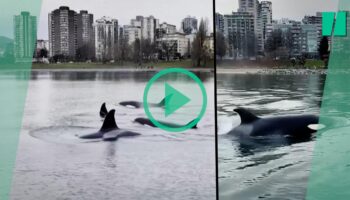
x=52, y=163
x=256, y=170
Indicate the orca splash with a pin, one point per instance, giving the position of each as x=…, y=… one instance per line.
x=297, y=126
x=137, y=104
x=109, y=130
x=148, y=122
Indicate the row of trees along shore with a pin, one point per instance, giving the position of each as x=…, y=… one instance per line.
x=275, y=46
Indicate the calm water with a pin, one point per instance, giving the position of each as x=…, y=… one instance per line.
x=53, y=164
x=258, y=171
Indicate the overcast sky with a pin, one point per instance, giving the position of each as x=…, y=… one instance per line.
x=170, y=11
x=293, y=9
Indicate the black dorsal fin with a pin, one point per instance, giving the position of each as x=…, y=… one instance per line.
x=103, y=110
x=162, y=102
x=109, y=122
x=195, y=126
x=246, y=116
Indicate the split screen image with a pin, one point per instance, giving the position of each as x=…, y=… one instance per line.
x=186, y=99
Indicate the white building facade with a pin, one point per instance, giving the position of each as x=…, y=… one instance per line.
x=106, y=38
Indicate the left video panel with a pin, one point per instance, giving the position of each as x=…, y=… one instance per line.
x=90, y=126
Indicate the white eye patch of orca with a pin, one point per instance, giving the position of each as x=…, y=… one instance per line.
x=146, y=125
x=316, y=127
x=130, y=106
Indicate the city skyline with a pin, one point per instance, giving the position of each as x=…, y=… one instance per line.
x=283, y=8
x=252, y=32
x=171, y=12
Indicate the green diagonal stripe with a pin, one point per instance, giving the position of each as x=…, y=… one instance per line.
x=329, y=176
x=15, y=67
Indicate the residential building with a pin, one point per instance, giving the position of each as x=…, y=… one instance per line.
x=239, y=32
x=85, y=36
x=310, y=40
x=106, y=39
x=42, y=49
x=317, y=19
x=219, y=22
x=265, y=17
x=131, y=33
x=25, y=27
x=262, y=13
x=148, y=26
x=189, y=25
x=63, y=32
x=42, y=44
x=164, y=29
x=176, y=44
x=300, y=39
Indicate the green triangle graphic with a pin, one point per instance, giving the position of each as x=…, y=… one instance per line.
x=174, y=100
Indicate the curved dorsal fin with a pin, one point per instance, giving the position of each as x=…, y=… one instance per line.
x=103, y=110
x=162, y=102
x=109, y=122
x=246, y=116
x=195, y=126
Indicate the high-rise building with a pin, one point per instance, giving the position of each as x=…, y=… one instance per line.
x=148, y=25
x=25, y=36
x=310, y=40
x=239, y=32
x=262, y=13
x=316, y=21
x=63, y=32
x=85, y=36
x=106, y=38
x=299, y=39
x=252, y=7
x=266, y=17
x=219, y=22
x=189, y=25
x=131, y=33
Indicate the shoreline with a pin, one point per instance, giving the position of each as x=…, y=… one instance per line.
x=128, y=69
x=269, y=71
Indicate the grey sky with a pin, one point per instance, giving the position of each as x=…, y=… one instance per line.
x=293, y=9
x=170, y=11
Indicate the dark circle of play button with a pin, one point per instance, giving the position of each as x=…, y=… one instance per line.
x=184, y=99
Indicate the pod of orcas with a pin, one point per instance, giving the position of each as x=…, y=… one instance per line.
x=295, y=126
x=146, y=121
x=110, y=130
x=137, y=104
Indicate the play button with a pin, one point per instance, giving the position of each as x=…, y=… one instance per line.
x=174, y=100
x=184, y=99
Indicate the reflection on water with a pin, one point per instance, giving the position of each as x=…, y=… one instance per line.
x=52, y=163
x=272, y=168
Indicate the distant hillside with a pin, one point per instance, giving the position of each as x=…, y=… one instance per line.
x=4, y=41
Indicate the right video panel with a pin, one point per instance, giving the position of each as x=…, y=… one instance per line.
x=272, y=61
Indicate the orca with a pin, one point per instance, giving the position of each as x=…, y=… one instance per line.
x=109, y=130
x=148, y=122
x=103, y=111
x=297, y=126
x=137, y=104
